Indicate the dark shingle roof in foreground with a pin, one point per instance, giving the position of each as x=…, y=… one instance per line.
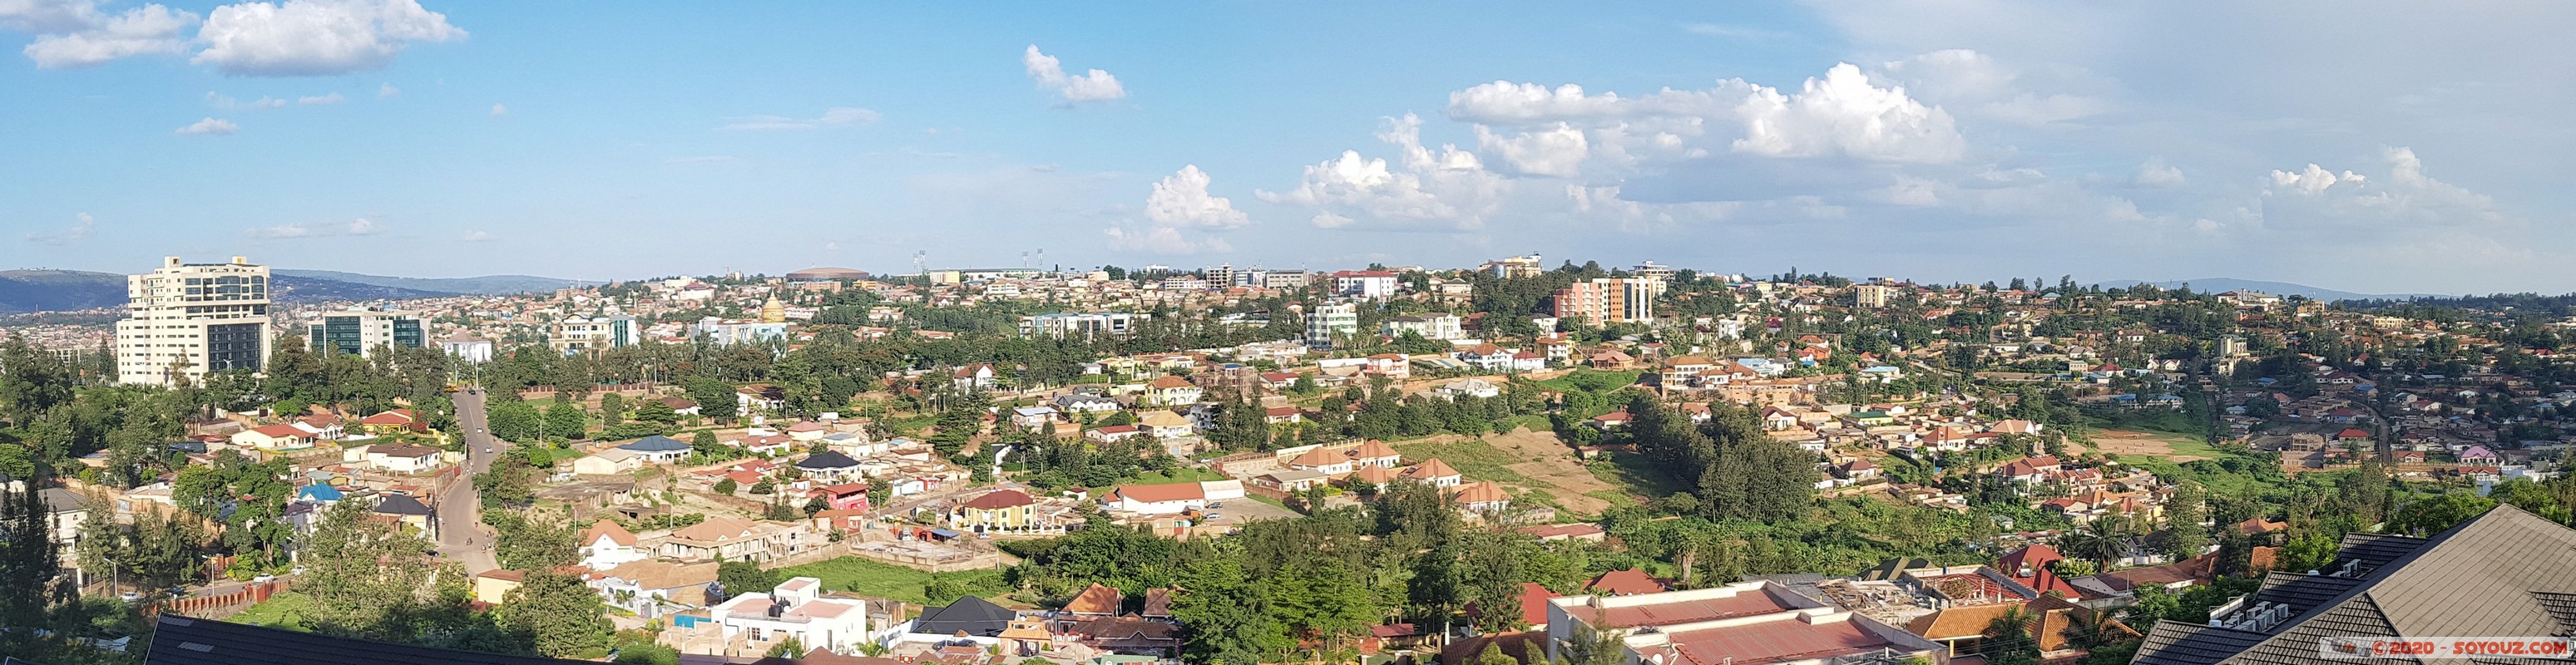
x=179, y=640
x=2505, y=573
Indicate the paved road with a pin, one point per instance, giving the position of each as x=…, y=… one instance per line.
x=461, y=534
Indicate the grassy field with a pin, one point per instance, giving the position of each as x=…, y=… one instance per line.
x=885, y=580
x=1631, y=471
x=1473, y=458
x=284, y=610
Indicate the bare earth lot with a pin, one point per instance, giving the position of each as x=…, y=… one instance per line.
x=1525, y=459
x=2123, y=442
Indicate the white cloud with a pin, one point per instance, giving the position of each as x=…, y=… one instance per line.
x=1558, y=151
x=222, y=101
x=387, y=90
x=2405, y=200
x=48, y=15
x=2156, y=173
x=321, y=100
x=1162, y=240
x=2312, y=181
x=209, y=127
x=839, y=116
x=146, y=30
x=1094, y=86
x=702, y=159
x=81, y=230
x=1445, y=189
x=477, y=236
x=355, y=227
x=1531, y=104
x=1182, y=199
x=316, y=37
x=499, y=110
x=1979, y=85
x=1734, y=31
x=1845, y=114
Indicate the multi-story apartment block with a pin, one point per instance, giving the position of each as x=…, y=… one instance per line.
x=1086, y=325
x=1870, y=295
x=1435, y=326
x=1518, y=266
x=357, y=332
x=1610, y=300
x=1283, y=279
x=727, y=333
x=583, y=334
x=1328, y=322
x=185, y=319
x=1368, y=284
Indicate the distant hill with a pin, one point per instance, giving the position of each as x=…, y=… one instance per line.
x=485, y=285
x=24, y=291
x=2225, y=284
x=59, y=290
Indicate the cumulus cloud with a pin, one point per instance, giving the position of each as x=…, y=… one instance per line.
x=1326, y=220
x=1182, y=199
x=499, y=110
x=321, y=100
x=1845, y=114
x=222, y=101
x=387, y=90
x=1093, y=86
x=839, y=116
x=1449, y=188
x=2405, y=199
x=209, y=127
x=2156, y=173
x=1558, y=151
x=81, y=230
x=355, y=227
x=316, y=37
x=1979, y=85
x=90, y=37
x=477, y=236
x=1162, y=240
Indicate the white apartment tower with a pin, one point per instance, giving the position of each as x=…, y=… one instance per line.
x=185, y=319
x=1328, y=322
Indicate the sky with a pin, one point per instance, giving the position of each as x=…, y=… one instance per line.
x=2378, y=147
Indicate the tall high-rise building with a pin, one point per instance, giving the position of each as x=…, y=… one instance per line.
x=185, y=319
x=358, y=332
x=1870, y=295
x=1609, y=300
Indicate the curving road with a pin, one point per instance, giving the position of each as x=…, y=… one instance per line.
x=461, y=534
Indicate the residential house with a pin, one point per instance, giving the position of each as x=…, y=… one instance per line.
x=1032, y=417
x=652, y=589
x=402, y=458
x=657, y=449
x=1164, y=424
x=1004, y=510
x=606, y=545
x=1746, y=623
x=829, y=466
x=794, y=610
x=1468, y=387
x=1170, y=498
x=609, y=462
x=275, y=438
x=1171, y=391
x=729, y=538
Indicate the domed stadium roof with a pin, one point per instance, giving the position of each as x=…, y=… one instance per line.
x=825, y=274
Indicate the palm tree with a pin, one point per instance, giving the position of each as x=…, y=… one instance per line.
x=2104, y=541
x=2010, y=632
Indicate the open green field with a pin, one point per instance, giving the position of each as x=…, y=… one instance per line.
x=885, y=580
x=1473, y=458
x=1631, y=472
x=1592, y=381
x=284, y=610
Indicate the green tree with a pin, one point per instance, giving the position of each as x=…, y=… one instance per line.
x=741, y=577
x=560, y=614
x=612, y=409
x=727, y=486
x=2435, y=514
x=566, y=421
x=655, y=411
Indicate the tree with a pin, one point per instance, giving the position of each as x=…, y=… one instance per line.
x=514, y=420
x=566, y=421
x=741, y=577
x=561, y=614
x=612, y=409
x=715, y=398
x=2431, y=515
x=727, y=486
x=655, y=411
x=2184, y=536
x=2309, y=551
x=371, y=573
x=1493, y=655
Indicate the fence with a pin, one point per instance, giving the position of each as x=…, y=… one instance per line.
x=218, y=606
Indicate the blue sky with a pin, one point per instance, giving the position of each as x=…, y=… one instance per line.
x=2356, y=145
